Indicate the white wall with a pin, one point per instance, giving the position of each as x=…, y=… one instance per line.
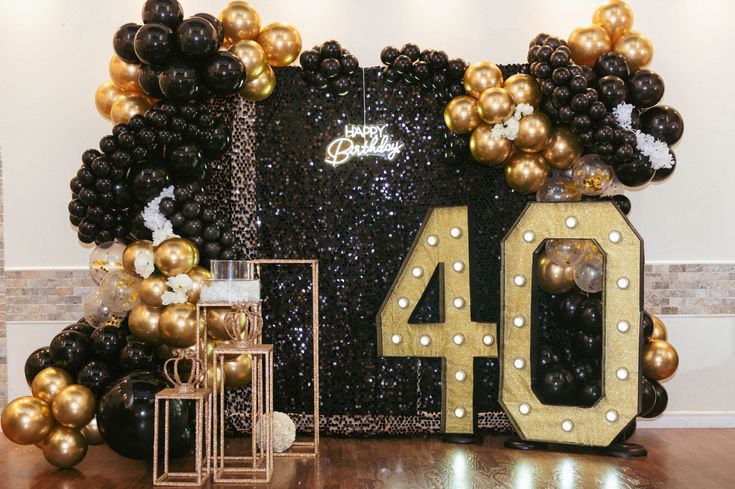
x=55, y=53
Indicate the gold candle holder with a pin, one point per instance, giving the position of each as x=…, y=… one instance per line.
x=184, y=390
x=257, y=467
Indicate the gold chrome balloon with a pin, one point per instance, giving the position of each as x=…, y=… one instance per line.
x=151, y=290
x=125, y=75
x=616, y=17
x=659, y=329
x=563, y=149
x=27, y=420
x=237, y=371
x=524, y=89
x=252, y=57
x=178, y=325
x=526, y=172
x=460, y=114
x=480, y=76
x=199, y=276
x=240, y=22
x=637, y=49
x=127, y=106
x=553, y=278
x=132, y=251
x=495, y=105
x=534, y=132
x=48, y=382
x=92, y=433
x=588, y=43
x=175, y=256
x=74, y=406
x=143, y=322
x=261, y=87
x=105, y=96
x=64, y=447
x=660, y=360
x=216, y=322
x=488, y=150
x=281, y=43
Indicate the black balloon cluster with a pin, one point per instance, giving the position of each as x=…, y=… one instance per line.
x=429, y=69
x=180, y=58
x=171, y=143
x=329, y=67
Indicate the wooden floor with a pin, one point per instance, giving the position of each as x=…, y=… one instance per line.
x=697, y=459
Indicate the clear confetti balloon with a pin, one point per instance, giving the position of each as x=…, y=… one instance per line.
x=558, y=189
x=95, y=311
x=566, y=252
x=119, y=291
x=591, y=175
x=589, y=273
x=105, y=258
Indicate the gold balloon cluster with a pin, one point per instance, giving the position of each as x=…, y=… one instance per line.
x=59, y=418
x=660, y=359
x=150, y=321
x=565, y=263
x=121, y=97
x=260, y=49
x=611, y=30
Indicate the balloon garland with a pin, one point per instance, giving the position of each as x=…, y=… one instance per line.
x=329, y=67
x=428, y=68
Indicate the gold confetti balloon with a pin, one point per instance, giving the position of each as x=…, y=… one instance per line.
x=27, y=420
x=119, y=291
x=105, y=258
x=591, y=175
x=558, y=189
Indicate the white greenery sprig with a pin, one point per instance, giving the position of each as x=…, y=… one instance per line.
x=657, y=151
x=155, y=221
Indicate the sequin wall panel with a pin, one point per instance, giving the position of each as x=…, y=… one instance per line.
x=359, y=219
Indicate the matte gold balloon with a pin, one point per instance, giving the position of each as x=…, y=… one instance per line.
x=553, y=278
x=175, y=256
x=252, y=57
x=143, y=322
x=281, y=43
x=92, y=433
x=637, y=49
x=125, y=75
x=526, y=172
x=48, y=382
x=488, y=150
x=105, y=96
x=127, y=106
x=659, y=329
x=460, y=115
x=260, y=88
x=74, y=406
x=151, y=289
x=132, y=251
x=524, y=89
x=588, y=43
x=495, y=105
x=616, y=17
x=480, y=76
x=27, y=420
x=660, y=360
x=64, y=447
x=563, y=149
x=178, y=325
x=199, y=276
x=240, y=22
x=534, y=132
x=216, y=322
x=237, y=371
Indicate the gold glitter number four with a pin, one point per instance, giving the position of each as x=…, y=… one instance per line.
x=443, y=242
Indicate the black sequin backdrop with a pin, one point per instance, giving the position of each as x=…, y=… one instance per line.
x=359, y=219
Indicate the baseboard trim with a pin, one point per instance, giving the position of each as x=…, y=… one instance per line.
x=691, y=419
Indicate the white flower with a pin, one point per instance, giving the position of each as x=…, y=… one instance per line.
x=156, y=222
x=657, y=151
x=522, y=110
x=180, y=283
x=168, y=298
x=144, y=264
x=162, y=234
x=284, y=432
x=512, y=126
x=624, y=115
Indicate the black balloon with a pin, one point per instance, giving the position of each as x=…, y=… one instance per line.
x=589, y=345
x=569, y=307
x=546, y=355
x=147, y=181
x=646, y=325
x=83, y=328
x=107, y=341
x=216, y=24
x=636, y=172
x=167, y=12
x=224, y=73
x=389, y=54
x=612, y=63
x=96, y=376
x=125, y=415
x=37, y=361
x=648, y=398
x=621, y=202
x=555, y=385
x=137, y=355
x=154, y=44
x=586, y=370
x=123, y=42
x=612, y=91
x=178, y=82
x=148, y=79
x=331, y=49
x=185, y=160
x=589, y=393
x=309, y=60
x=70, y=351
x=662, y=400
x=645, y=89
x=198, y=38
x=330, y=68
x=590, y=316
x=663, y=123
x=664, y=173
